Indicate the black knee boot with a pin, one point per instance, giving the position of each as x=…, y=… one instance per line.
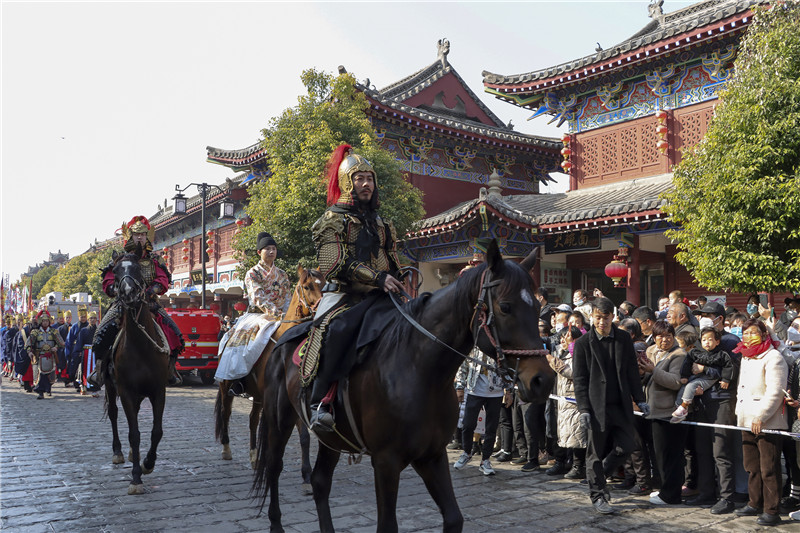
x=321, y=415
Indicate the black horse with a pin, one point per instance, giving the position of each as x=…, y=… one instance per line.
x=401, y=398
x=140, y=369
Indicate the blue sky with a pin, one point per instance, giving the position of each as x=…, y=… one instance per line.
x=107, y=106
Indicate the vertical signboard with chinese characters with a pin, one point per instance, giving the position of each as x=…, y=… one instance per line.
x=556, y=279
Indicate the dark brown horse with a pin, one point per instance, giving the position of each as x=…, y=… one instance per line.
x=140, y=369
x=307, y=294
x=402, y=397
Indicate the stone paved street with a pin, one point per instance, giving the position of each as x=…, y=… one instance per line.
x=56, y=476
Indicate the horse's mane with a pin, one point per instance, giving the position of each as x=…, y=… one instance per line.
x=464, y=296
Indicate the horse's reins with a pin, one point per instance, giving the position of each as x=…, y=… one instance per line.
x=485, y=323
x=300, y=291
x=165, y=349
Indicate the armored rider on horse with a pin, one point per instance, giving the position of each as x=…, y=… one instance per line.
x=357, y=254
x=138, y=237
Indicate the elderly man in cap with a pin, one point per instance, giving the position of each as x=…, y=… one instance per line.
x=138, y=237
x=42, y=346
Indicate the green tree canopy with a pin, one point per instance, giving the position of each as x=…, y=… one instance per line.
x=299, y=143
x=736, y=196
x=80, y=274
x=40, y=280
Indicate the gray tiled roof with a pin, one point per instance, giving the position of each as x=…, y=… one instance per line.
x=621, y=198
x=243, y=156
x=675, y=23
x=395, y=94
x=191, y=202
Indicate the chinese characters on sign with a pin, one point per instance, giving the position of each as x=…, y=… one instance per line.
x=555, y=277
x=588, y=239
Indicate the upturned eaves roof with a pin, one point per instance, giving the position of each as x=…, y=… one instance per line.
x=662, y=28
x=615, y=199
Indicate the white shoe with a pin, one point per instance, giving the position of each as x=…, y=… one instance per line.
x=462, y=461
x=656, y=500
x=486, y=468
x=679, y=415
x=795, y=515
x=654, y=493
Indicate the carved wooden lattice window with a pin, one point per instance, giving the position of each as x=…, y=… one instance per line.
x=591, y=160
x=629, y=156
x=224, y=238
x=648, y=150
x=608, y=153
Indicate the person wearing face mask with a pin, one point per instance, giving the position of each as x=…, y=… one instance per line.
x=787, y=317
x=752, y=306
x=570, y=434
x=580, y=302
x=759, y=405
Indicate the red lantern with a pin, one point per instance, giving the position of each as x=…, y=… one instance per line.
x=566, y=165
x=662, y=146
x=185, y=241
x=240, y=306
x=210, y=242
x=565, y=138
x=185, y=258
x=661, y=115
x=185, y=249
x=566, y=152
x=661, y=129
x=616, y=270
x=239, y=222
x=210, y=251
x=210, y=233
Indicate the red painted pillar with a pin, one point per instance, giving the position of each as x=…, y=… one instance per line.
x=633, y=290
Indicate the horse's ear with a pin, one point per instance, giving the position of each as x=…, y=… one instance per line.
x=529, y=262
x=493, y=257
x=301, y=272
x=114, y=255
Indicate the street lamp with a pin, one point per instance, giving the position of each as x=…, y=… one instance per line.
x=226, y=211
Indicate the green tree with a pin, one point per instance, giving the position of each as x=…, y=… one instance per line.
x=40, y=280
x=736, y=196
x=80, y=274
x=299, y=143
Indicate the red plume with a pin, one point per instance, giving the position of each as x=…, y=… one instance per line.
x=332, y=172
x=142, y=218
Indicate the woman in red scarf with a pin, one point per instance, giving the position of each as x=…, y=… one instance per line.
x=759, y=405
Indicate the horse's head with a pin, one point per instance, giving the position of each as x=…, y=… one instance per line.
x=128, y=279
x=308, y=291
x=506, y=323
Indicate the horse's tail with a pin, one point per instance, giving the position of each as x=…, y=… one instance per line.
x=260, y=487
x=219, y=419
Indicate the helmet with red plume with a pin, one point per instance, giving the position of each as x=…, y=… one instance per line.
x=340, y=170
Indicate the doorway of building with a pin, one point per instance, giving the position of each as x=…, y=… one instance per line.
x=592, y=279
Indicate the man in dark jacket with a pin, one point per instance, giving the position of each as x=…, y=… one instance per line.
x=606, y=378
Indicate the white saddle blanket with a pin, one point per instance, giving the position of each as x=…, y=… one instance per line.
x=242, y=345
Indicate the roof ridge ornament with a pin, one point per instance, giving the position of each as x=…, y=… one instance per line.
x=654, y=10
x=443, y=48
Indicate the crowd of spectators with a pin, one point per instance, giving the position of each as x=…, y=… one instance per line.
x=690, y=372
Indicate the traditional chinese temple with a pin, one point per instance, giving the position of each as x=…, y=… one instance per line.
x=446, y=139
x=630, y=111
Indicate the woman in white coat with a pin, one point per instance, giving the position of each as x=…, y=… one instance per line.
x=759, y=405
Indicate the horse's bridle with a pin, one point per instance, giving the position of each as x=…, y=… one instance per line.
x=482, y=322
x=300, y=291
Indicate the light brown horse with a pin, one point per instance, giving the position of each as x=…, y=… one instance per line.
x=401, y=397
x=307, y=294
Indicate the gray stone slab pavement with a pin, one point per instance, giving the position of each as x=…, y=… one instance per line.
x=56, y=476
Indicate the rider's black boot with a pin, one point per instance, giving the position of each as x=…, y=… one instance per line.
x=321, y=415
x=174, y=376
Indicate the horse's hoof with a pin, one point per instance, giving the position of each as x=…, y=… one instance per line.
x=226, y=453
x=135, y=489
x=307, y=490
x=118, y=459
x=253, y=458
x=146, y=470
